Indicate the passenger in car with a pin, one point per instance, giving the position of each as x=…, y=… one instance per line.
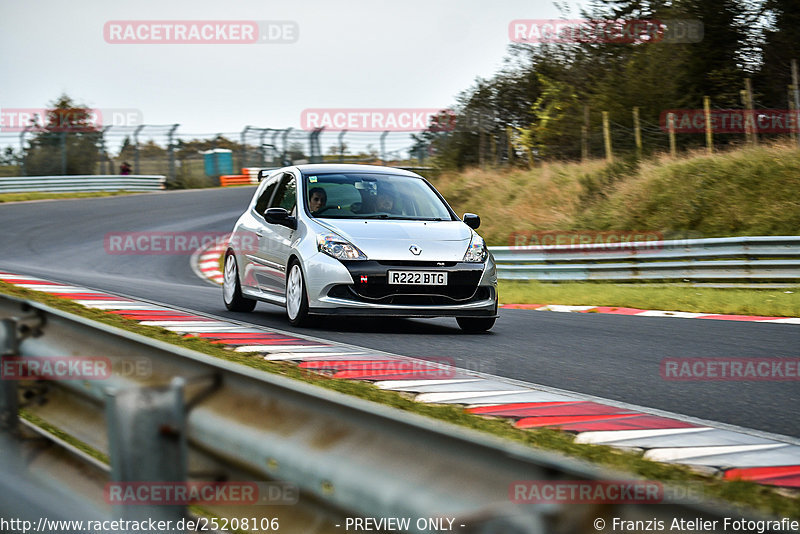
x=317, y=199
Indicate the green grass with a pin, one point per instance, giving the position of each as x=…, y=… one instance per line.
x=20, y=197
x=783, y=302
x=740, y=493
x=746, y=191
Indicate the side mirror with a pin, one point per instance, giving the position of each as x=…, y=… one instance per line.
x=472, y=220
x=262, y=173
x=280, y=216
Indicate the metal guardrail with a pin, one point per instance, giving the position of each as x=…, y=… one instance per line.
x=727, y=258
x=196, y=416
x=82, y=183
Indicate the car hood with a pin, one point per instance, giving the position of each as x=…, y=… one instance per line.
x=392, y=239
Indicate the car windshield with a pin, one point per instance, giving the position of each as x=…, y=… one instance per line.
x=372, y=196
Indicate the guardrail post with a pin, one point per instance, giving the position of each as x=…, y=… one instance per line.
x=13, y=330
x=9, y=409
x=147, y=444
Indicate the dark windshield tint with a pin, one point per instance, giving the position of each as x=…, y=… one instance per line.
x=373, y=196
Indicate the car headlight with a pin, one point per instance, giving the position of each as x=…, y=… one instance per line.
x=338, y=247
x=477, y=251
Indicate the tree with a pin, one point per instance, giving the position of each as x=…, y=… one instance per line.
x=555, y=129
x=67, y=142
x=781, y=45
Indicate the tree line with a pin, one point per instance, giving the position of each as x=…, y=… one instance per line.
x=547, y=100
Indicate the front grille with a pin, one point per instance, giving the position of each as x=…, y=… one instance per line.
x=349, y=292
x=462, y=282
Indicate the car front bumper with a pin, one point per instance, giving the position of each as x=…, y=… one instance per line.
x=360, y=288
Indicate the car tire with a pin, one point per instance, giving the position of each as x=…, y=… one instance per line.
x=476, y=324
x=296, y=296
x=232, y=289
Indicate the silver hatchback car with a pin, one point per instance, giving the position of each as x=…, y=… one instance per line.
x=358, y=240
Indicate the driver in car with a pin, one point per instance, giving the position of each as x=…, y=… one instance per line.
x=384, y=202
x=317, y=199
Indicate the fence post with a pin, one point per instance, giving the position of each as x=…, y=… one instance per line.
x=341, y=146
x=607, y=138
x=284, y=153
x=275, y=145
x=243, y=153
x=63, y=137
x=136, y=169
x=383, y=147
x=171, y=148
x=585, y=134
x=22, y=169
x=796, y=92
x=749, y=119
x=709, y=133
x=792, y=114
x=510, y=147
x=215, y=154
x=671, y=126
x=261, y=145
x=105, y=160
x=637, y=132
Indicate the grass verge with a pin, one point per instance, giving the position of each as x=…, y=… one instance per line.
x=22, y=197
x=739, y=192
x=784, y=302
x=742, y=494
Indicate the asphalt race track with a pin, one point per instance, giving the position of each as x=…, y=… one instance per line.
x=612, y=356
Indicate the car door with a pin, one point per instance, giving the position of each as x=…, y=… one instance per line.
x=275, y=241
x=252, y=230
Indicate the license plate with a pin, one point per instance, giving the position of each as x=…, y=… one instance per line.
x=424, y=278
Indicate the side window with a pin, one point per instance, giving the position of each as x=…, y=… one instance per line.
x=286, y=196
x=263, y=201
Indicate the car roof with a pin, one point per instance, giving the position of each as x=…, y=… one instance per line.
x=344, y=167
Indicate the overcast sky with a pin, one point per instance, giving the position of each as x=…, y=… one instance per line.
x=349, y=54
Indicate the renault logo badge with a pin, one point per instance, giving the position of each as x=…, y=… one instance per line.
x=415, y=250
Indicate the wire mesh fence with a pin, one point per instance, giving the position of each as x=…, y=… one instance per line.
x=194, y=159
x=199, y=159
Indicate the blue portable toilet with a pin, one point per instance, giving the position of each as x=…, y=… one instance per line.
x=218, y=161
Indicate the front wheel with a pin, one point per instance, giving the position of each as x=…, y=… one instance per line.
x=232, y=289
x=296, y=296
x=476, y=324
